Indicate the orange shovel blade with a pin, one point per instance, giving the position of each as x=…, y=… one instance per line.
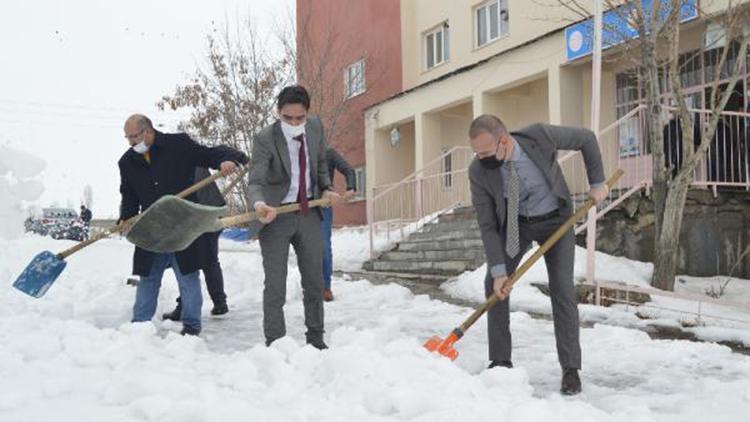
x=443, y=347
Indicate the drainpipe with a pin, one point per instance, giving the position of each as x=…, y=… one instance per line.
x=595, y=109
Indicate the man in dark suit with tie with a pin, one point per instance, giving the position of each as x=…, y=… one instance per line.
x=520, y=196
x=288, y=165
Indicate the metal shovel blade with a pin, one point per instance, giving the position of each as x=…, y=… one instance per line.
x=171, y=224
x=39, y=275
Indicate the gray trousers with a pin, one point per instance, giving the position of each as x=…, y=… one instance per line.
x=559, y=262
x=303, y=233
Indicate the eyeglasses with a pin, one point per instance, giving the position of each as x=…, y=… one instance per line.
x=135, y=135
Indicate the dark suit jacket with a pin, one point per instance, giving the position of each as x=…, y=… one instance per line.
x=541, y=143
x=174, y=158
x=337, y=162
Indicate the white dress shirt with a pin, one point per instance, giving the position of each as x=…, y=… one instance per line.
x=294, y=147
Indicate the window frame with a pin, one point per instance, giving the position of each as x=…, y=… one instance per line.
x=360, y=180
x=350, y=78
x=503, y=22
x=431, y=45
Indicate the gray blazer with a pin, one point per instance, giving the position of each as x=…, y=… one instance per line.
x=270, y=166
x=540, y=142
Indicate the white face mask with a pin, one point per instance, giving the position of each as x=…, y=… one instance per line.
x=292, y=131
x=141, y=147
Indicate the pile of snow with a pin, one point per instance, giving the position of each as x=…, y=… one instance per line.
x=708, y=321
x=73, y=355
x=17, y=187
x=470, y=285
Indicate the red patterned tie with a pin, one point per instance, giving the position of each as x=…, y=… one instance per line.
x=302, y=194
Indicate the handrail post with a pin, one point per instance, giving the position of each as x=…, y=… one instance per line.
x=371, y=221
x=595, y=105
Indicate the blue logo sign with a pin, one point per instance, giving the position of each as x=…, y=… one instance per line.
x=579, y=38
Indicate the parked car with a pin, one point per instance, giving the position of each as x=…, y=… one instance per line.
x=59, y=223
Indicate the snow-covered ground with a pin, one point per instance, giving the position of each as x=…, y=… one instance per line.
x=708, y=321
x=72, y=355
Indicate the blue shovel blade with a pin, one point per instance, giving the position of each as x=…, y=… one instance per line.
x=39, y=275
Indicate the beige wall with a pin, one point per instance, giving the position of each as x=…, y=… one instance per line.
x=521, y=105
x=528, y=20
x=533, y=82
x=395, y=162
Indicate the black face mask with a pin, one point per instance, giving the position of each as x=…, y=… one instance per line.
x=490, y=162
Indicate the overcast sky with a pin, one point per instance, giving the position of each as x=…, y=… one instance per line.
x=72, y=71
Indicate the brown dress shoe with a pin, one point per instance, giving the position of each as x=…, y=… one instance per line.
x=327, y=295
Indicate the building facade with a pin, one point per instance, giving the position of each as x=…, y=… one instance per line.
x=413, y=74
x=352, y=54
x=525, y=62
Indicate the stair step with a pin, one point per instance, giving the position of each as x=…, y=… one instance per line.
x=445, y=235
x=471, y=254
x=459, y=214
x=458, y=225
x=440, y=245
x=432, y=267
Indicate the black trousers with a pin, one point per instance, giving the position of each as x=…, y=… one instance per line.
x=212, y=270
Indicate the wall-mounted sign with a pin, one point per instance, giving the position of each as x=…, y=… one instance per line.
x=579, y=38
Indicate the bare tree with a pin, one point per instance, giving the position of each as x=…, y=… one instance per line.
x=321, y=56
x=233, y=97
x=656, y=55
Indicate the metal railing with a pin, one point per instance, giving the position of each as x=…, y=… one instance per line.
x=397, y=209
x=697, y=300
x=404, y=206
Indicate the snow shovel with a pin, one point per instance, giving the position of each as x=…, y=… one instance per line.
x=445, y=346
x=174, y=224
x=44, y=269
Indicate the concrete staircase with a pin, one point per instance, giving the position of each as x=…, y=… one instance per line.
x=447, y=247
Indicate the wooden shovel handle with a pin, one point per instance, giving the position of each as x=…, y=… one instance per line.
x=284, y=209
x=547, y=245
x=123, y=224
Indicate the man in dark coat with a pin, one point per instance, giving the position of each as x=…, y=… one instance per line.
x=335, y=162
x=161, y=164
x=211, y=195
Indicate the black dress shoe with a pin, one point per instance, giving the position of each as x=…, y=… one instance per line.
x=220, y=308
x=319, y=344
x=175, y=315
x=571, y=382
x=501, y=363
x=316, y=342
x=189, y=331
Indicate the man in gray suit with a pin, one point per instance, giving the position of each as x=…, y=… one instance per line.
x=520, y=196
x=288, y=165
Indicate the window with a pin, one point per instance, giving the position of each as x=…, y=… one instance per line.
x=354, y=79
x=437, y=46
x=491, y=21
x=447, y=167
x=361, y=180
